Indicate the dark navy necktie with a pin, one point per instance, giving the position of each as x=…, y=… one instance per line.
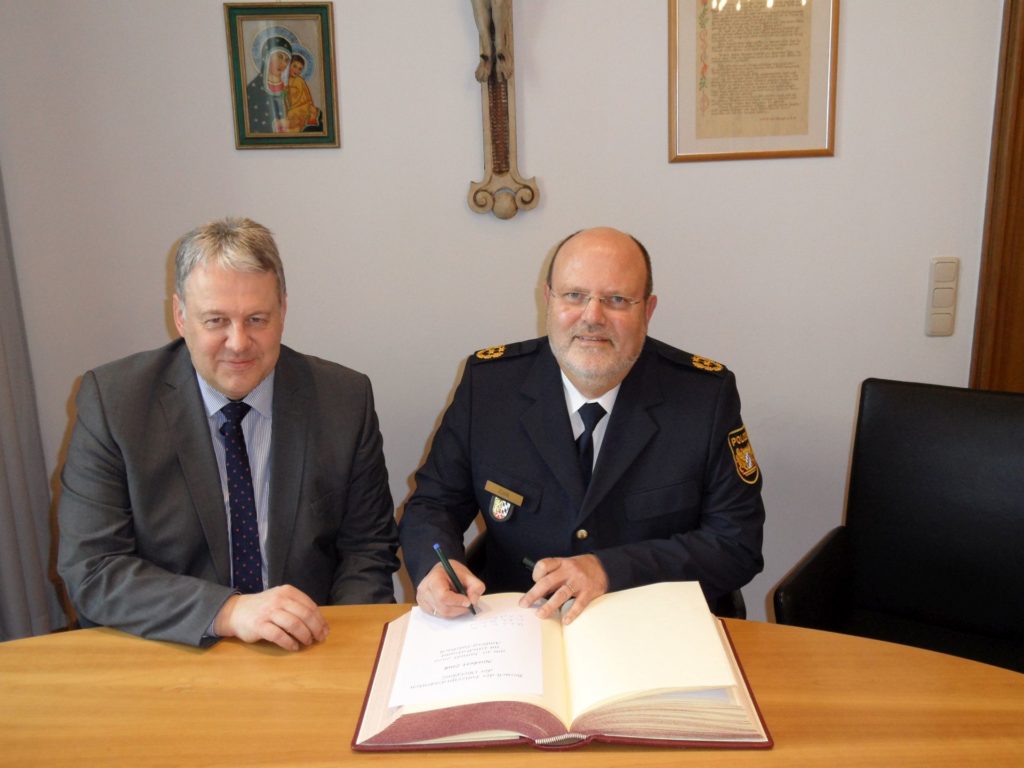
x=246, y=561
x=591, y=413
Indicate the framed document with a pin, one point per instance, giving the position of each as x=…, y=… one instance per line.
x=751, y=78
x=283, y=88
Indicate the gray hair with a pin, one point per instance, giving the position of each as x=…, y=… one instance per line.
x=239, y=244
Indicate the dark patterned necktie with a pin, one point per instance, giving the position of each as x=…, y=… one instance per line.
x=591, y=413
x=246, y=562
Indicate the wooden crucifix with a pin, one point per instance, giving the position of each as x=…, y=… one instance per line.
x=502, y=191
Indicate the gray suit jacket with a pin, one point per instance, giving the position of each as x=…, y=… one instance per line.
x=143, y=529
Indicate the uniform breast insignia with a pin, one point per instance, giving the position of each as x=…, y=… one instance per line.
x=501, y=509
x=706, y=363
x=491, y=353
x=743, y=456
x=503, y=501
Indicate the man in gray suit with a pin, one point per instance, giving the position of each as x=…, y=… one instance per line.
x=225, y=485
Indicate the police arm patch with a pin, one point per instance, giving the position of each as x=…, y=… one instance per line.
x=743, y=456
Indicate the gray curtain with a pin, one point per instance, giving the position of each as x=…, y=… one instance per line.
x=28, y=599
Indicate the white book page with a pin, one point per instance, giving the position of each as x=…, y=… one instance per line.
x=493, y=655
x=644, y=640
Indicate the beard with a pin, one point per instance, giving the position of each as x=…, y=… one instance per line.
x=597, y=369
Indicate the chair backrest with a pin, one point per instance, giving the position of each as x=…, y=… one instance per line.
x=935, y=510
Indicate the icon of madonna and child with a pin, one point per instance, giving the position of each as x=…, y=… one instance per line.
x=278, y=98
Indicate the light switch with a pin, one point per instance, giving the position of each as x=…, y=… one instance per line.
x=942, y=284
x=945, y=271
x=940, y=324
x=943, y=298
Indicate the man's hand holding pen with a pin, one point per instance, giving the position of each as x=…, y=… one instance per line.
x=560, y=579
x=438, y=596
x=450, y=593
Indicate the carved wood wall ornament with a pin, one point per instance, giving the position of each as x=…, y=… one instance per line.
x=502, y=191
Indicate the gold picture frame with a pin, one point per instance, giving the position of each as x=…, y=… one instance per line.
x=752, y=79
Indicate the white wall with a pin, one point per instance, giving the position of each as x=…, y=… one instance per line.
x=804, y=275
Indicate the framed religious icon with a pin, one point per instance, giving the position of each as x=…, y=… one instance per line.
x=752, y=78
x=283, y=89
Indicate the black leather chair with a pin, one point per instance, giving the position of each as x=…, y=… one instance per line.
x=730, y=606
x=932, y=552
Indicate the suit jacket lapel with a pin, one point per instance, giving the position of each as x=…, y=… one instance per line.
x=631, y=428
x=547, y=423
x=187, y=423
x=288, y=459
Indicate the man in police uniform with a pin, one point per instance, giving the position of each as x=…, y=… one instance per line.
x=658, y=483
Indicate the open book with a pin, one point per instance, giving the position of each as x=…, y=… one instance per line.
x=646, y=665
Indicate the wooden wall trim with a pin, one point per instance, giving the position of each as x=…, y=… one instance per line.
x=998, y=354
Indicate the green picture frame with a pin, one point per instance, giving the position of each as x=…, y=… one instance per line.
x=283, y=83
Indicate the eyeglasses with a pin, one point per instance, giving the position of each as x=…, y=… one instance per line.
x=580, y=300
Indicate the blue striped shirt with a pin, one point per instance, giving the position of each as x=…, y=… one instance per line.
x=256, y=428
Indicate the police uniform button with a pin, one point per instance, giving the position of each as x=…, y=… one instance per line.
x=581, y=534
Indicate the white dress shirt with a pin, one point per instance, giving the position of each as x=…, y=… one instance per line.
x=574, y=400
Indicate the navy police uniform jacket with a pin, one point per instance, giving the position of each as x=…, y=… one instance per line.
x=676, y=490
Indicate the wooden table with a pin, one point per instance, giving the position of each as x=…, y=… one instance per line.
x=99, y=697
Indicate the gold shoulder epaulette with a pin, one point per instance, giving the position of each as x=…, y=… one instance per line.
x=490, y=353
x=706, y=364
x=506, y=351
